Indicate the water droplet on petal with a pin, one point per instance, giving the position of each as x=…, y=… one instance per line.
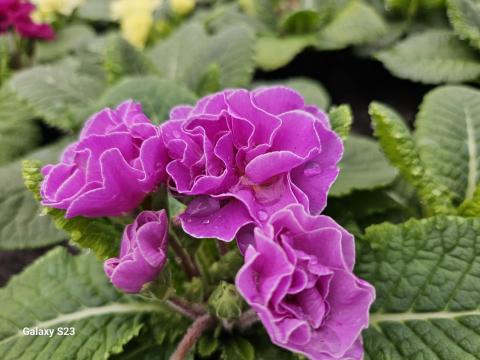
x=206, y=222
x=269, y=194
x=203, y=206
x=262, y=215
x=312, y=169
x=176, y=134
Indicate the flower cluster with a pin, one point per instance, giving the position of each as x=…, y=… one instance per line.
x=252, y=165
x=118, y=160
x=48, y=9
x=136, y=19
x=246, y=155
x=16, y=15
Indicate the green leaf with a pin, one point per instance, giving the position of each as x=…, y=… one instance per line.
x=448, y=138
x=356, y=23
x=21, y=225
x=301, y=22
x=95, y=10
x=471, y=207
x=58, y=94
x=273, y=52
x=187, y=54
x=227, y=266
x=18, y=131
x=101, y=235
x=411, y=7
x=206, y=255
x=432, y=57
x=398, y=145
x=122, y=59
x=464, y=16
x=64, y=291
x=207, y=345
x=425, y=273
x=341, y=118
x=238, y=348
x=210, y=81
x=363, y=167
x=67, y=40
x=157, y=95
x=4, y=58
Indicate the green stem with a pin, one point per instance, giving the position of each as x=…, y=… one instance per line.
x=189, y=265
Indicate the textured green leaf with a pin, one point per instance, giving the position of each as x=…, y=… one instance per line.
x=58, y=291
x=58, y=94
x=101, y=235
x=210, y=81
x=432, y=57
x=363, y=167
x=95, y=10
x=238, y=348
x=464, y=16
x=122, y=59
x=274, y=52
x=21, y=225
x=356, y=23
x=341, y=118
x=18, y=131
x=190, y=52
x=4, y=58
x=471, y=207
x=67, y=40
x=426, y=275
x=448, y=137
x=399, y=146
x=411, y=7
x=157, y=95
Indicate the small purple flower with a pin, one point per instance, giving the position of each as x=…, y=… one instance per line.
x=246, y=155
x=118, y=160
x=143, y=252
x=298, y=276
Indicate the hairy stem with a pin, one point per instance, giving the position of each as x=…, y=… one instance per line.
x=223, y=247
x=193, y=334
x=247, y=319
x=189, y=265
x=185, y=308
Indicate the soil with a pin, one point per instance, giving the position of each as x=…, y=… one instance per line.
x=348, y=78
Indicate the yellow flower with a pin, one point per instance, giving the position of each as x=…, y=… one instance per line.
x=48, y=9
x=136, y=28
x=136, y=19
x=182, y=7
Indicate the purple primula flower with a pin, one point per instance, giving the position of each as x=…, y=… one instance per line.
x=248, y=154
x=298, y=276
x=118, y=160
x=143, y=252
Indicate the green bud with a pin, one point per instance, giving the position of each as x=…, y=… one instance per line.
x=225, y=302
x=194, y=290
x=227, y=267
